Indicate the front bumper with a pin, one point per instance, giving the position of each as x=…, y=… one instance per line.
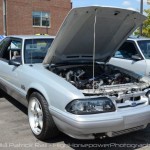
x=106, y=124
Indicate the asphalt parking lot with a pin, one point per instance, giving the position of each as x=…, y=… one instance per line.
x=15, y=133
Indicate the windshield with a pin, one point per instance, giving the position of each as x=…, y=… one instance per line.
x=35, y=50
x=145, y=48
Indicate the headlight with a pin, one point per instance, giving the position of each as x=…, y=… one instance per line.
x=91, y=106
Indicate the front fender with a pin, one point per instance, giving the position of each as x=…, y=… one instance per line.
x=57, y=95
x=41, y=89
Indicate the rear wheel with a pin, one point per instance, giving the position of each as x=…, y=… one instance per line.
x=40, y=119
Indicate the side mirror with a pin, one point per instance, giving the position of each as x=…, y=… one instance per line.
x=136, y=57
x=14, y=63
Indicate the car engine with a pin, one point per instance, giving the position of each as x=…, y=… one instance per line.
x=82, y=76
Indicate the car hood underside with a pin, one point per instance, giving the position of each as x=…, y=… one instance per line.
x=75, y=39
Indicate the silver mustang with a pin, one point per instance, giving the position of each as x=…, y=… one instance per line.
x=69, y=87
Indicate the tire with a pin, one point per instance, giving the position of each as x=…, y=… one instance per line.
x=40, y=119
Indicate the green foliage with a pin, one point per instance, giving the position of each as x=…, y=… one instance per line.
x=146, y=25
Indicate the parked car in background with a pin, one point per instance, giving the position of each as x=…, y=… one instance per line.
x=134, y=55
x=69, y=87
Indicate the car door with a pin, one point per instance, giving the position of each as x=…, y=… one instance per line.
x=10, y=48
x=128, y=57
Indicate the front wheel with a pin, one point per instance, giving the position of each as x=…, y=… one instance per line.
x=40, y=119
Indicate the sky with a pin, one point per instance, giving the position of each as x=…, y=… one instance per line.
x=129, y=4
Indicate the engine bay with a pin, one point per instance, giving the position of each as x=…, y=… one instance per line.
x=81, y=76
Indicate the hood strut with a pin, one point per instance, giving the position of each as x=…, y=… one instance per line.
x=94, y=44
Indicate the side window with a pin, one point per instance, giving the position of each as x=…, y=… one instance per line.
x=12, y=50
x=126, y=51
x=3, y=45
x=145, y=47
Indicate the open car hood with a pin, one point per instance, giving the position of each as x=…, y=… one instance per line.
x=75, y=39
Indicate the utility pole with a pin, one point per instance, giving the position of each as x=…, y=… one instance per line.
x=4, y=18
x=141, y=11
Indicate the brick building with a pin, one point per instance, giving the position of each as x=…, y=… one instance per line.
x=32, y=16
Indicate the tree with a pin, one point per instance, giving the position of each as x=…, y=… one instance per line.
x=146, y=25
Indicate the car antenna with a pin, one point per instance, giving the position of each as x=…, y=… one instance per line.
x=94, y=46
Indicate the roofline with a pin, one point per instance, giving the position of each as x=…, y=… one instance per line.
x=31, y=36
x=138, y=39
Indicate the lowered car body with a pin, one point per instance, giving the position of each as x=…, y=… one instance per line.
x=74, y=90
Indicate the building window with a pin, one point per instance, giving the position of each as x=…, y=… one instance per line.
x=41, y=19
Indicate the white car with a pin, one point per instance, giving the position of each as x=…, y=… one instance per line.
x=73, y=89
x=134, y=55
